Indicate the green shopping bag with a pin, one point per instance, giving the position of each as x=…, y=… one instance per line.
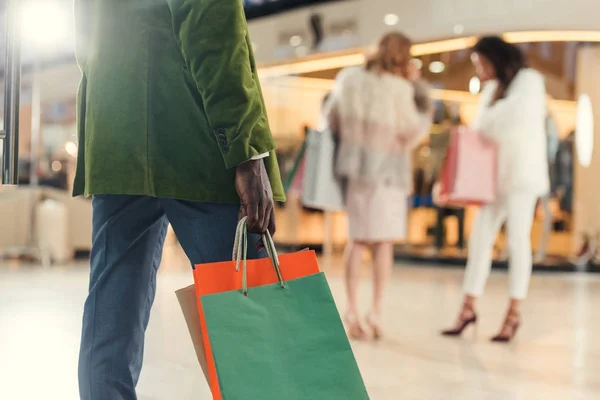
x=282, y=341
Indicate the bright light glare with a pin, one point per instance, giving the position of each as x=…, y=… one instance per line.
x=391, y=19
x=437, y=67
x=44, y=23
x=71, y=148
x=584, y=131
x=296, y=40
x=474, y=85
x=56, y=166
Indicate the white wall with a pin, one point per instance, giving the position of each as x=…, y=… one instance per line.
x=587, y=212
x=426, y=19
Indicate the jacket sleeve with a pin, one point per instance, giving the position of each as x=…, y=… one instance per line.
x=522, y=100
x=213, y=36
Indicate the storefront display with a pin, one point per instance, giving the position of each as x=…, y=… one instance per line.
x=294, y=98
x=445, y=231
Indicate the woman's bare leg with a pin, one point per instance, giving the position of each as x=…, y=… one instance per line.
x=354, y=254
x=383, y=261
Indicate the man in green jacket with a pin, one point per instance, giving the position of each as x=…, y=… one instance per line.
x=172, y=129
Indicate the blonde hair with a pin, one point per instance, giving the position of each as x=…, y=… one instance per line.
x=392, y=54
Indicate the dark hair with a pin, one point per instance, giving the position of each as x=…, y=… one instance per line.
x=506, y=58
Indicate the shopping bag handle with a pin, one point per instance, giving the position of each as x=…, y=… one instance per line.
x=240, y=253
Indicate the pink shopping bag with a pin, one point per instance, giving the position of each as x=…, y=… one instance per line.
x=469, y=173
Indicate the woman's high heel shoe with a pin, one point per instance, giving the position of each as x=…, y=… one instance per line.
x=355, y=329
x=509, y=329
x=463, y=323
x=374, y=323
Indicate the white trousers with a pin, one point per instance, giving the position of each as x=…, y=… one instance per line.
x=518, y=211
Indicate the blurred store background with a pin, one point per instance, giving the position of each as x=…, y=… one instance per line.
x=300, y=46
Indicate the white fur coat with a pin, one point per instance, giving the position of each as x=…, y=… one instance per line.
x=380, y=119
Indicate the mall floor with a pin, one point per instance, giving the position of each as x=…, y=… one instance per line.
x=556, y=355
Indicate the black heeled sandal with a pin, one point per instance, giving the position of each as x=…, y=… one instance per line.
x=509, y=329
x=463, y=322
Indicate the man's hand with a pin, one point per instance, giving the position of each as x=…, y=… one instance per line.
x=253, y=187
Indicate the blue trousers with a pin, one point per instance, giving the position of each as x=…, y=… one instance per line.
x=128, y=236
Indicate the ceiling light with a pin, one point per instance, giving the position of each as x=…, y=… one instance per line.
x=443, y=46
x=459, y=29
x=552, y=36
x=474, y=85
x=296, y=40
x=437, y=67
x=391, y=19
x=356, y=57
x=303, y=66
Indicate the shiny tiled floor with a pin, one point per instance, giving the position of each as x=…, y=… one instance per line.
x=556, y=356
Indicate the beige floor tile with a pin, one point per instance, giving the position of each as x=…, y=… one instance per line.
x=556, y=356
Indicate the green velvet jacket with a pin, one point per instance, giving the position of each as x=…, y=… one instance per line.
x=169, y=102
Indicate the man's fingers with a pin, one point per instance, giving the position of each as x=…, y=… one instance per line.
x=259, y=218
x=253, y=222
x=266, y=208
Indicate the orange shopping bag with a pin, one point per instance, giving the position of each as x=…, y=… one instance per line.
x=227, y=276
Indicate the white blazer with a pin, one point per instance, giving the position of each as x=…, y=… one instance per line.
x=517, y=123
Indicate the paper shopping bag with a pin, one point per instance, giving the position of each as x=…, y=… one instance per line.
x=469, y=173
x=321, y=190
x=222, y=277
x=189, y=307
x=272, y=331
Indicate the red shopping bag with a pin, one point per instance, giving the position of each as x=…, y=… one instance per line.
x=469, y=174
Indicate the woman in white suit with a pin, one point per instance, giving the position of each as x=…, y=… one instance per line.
x=513, y=113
